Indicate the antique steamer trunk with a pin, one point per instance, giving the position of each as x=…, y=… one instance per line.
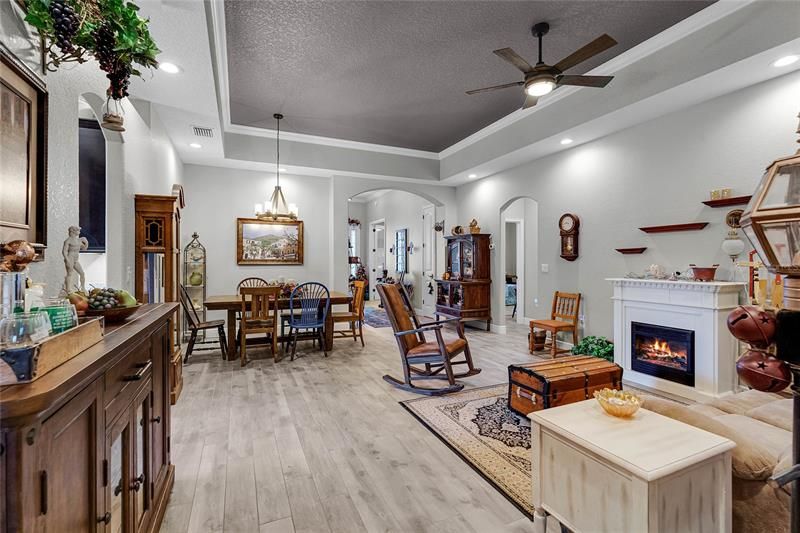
x=574, y=378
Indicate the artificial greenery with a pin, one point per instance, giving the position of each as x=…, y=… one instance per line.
x=131, y=39
x=596, y=346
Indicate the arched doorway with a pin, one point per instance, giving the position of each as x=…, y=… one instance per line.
x=516, y=289
x=391, y=236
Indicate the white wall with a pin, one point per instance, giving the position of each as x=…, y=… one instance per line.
x=402, y=210
x=526, y=211
x=655, y=173
x=141, y=160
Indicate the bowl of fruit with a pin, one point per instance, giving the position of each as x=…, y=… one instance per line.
x=115, y=305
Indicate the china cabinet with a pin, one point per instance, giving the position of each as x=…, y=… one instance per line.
x=86, y=447
x=466, y=294
x=157, y=261
x=194, y=279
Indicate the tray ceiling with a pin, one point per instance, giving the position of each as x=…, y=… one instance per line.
x=394, y=72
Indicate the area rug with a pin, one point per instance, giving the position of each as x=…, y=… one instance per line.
x=479, y=427
x=376, y=317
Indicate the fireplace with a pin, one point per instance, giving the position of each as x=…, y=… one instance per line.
x=663, y=352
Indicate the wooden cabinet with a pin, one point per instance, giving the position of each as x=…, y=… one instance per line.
x=157, y=231
x=86, y=446
x=467, y=294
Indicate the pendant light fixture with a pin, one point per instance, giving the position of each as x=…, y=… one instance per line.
x=276, y=207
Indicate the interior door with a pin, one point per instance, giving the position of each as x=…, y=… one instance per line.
x=428, y=289
x=377, y=255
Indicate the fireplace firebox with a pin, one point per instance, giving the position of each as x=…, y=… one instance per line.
x=663, y=352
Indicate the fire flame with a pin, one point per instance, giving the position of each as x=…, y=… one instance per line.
x=660, y=348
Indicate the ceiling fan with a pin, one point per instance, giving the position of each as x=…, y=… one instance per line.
x=541, y=79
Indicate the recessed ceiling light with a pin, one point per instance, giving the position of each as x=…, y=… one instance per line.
x=169, y=68
x=785, y=61
x=566, y=140
x=195, y=145
x=281, y=169
x=472, y=176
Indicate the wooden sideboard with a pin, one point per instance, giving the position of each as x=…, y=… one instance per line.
x=86, y=447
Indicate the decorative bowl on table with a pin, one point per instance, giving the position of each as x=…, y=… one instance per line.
x=618, y=403
x=115, y=314
x=704, y=273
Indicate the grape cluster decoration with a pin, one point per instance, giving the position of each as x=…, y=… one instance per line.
x=110, y=31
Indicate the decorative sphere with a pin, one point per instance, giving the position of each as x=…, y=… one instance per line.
x=763, y=372
x=752, y=325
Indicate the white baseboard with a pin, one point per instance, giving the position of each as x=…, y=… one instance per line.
x=499, y=329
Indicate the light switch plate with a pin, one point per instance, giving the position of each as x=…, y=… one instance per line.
x=545, y=268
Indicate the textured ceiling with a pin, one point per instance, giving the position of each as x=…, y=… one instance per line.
x=395, y=72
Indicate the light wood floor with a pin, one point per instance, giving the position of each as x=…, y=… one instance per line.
x=321, y=445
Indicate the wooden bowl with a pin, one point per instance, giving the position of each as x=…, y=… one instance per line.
x=115, y=314
x=618, y=403
x=704, y=273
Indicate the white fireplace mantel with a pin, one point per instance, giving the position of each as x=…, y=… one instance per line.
x=699, y=306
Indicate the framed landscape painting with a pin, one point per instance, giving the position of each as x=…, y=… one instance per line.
x=269, y=242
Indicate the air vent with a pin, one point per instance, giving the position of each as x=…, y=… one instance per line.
x=200, y=131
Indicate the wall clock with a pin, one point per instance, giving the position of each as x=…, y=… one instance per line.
x=569, y=226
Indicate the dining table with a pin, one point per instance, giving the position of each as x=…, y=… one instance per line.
x=232, y=303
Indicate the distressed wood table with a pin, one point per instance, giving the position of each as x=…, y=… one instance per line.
x=648, y=473
x=233, y=303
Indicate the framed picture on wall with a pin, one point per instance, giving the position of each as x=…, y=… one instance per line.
x=23, y=161
x=269, y=242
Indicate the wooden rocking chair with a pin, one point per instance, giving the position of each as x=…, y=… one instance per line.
x=437, y=357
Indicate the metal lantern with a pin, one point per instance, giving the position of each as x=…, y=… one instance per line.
x=771, y=223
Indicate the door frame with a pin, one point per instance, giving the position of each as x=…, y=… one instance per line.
x=520, y=266
x=373, y=274
x=428, y=301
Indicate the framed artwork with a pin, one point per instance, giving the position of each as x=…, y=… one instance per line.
x=269, y=242
x=401, y=251
x=23, y=158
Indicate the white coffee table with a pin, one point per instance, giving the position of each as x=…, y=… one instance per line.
x=596, y=473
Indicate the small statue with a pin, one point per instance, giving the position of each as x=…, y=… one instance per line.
x=71, y=252
x=655, y=271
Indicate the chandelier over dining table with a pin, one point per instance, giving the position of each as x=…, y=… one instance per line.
x=276, y=207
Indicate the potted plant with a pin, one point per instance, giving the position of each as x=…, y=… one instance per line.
x=595, y=346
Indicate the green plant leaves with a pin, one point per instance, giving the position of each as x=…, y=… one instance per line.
x=595, y=346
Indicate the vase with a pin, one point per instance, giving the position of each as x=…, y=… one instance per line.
x=195, y=279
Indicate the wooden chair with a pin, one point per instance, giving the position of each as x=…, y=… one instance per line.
x=437, y=356
x=259, y=315
x=251, y=282
x=563, y=317
x=309, y=305
x=354, y=317
x=193, y=320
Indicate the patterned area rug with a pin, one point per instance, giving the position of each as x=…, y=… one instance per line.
x=376, y=317
x=480, y=428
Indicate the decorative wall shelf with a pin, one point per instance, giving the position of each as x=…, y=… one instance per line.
x=631, y=251
x=726, y=202
x=692, y=226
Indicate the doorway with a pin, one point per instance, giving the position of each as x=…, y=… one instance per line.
x=514, y=291
x=377, y=261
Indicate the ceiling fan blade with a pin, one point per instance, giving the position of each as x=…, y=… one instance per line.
x=514, y=58
x=530, y=101
x=496, y=87
x=585, y=81
x=601, y=44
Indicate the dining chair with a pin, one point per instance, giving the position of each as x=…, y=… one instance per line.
x=259, y=315
x=193, y=320
x=354, y=317
x=246, y=282
x=309, y=305
x=563, y=317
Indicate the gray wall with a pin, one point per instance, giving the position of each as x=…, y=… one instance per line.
x=655, y=173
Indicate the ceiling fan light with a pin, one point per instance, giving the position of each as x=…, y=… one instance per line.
x=540, y=87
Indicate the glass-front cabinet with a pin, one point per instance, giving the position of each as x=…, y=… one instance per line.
x=194, y=279
x=466, y=291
